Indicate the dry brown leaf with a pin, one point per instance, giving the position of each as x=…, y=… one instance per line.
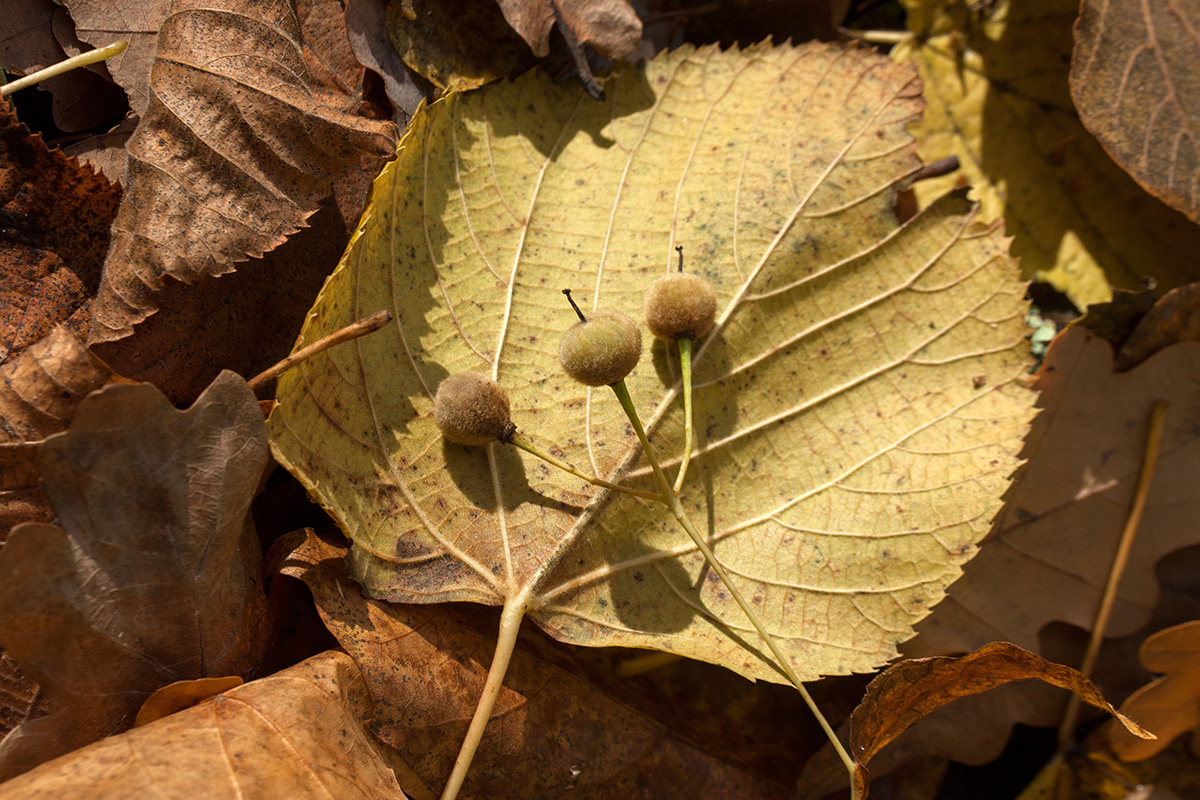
x=1174, y=318
x=336, y=74
x=21, y=699
x=39, y=392
x=153, y=577
x=233, y=154
x=365, y=19
x=102, y=22
x=31, y=37
x=456, y=45
x=296, y=735
x=177, y=696
x=105, y=152
x=54, y=219
x=908, y=691
x=243, y=322
x=1049, y=555
x=611, y=27
x=1169, y=705
x=551, y=735
x=1134, y=81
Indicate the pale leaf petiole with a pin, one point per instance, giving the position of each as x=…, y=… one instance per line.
x=506, y=642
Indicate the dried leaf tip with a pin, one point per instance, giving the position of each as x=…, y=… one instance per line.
x=680, y=305
x=472, y=409
x=602, y=350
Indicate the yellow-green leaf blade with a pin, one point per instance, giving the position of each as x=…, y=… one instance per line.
x=856, y=398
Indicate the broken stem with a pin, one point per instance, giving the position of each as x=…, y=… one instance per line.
x=1158, y=414
x=680, y=514
x=506, y=642
x=685, y=367
x=350, y=332
x=517, y=440
x=81, y=60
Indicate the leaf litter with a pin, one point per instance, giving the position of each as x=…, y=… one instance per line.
x=152, y=576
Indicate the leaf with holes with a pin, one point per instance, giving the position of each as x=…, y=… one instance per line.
x=858, y=409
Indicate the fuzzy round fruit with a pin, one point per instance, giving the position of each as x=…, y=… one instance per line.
x=472, y=409
x=681, y=305
x=602, y=350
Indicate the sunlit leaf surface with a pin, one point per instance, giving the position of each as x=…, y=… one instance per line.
x=858, y=411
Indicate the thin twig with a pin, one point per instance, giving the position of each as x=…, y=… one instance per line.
x=350, y=332
x=81, y=60
x=1158, y=415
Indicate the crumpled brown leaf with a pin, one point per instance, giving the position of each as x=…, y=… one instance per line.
x=35, y=34
x=54, y=219
x=153, y=576
x=1175, y=317
x=611, y=27
x=297, y=734
x=551, y=735
x=365, y=19
x=233, y=154
x=1134, y=81
x=102, y=22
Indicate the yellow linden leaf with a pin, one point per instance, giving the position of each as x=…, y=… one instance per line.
x=858, y=403
x=998, y=98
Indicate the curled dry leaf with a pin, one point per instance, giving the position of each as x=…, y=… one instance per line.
x=1170, y=705
x=1135, y=83
x=1175, y=317
x=553, y=735
x=153, y=577
x=102, y=22
x=232, y=156
x=905, y=692
x=179, y=695
x=297, y=734
x=611, y=27
x=844, y=468
x=35, y=34
x=1000, y=101
x=364, y=21
x=456, y=45
x=54, y=220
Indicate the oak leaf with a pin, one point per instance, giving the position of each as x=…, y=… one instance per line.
x=1169, y=705
x=233, y=154
x=1133, y=79
x=858, y=403
x=553, y=734
x=153, y=576
x=297, y=734
x=1049, y=556
x=999, y=100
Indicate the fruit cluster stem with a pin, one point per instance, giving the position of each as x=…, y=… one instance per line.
x=680, y=514
x=517, y=440
x=685, y=369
